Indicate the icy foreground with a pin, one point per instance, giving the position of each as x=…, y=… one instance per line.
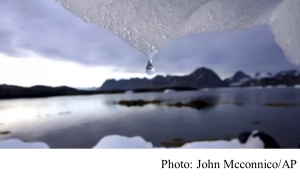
x=248, y=141
x=149, y=24
x=245, y=140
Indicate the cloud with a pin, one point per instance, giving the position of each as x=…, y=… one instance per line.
x=35, y=70
x=250, y=50
x=45, y=28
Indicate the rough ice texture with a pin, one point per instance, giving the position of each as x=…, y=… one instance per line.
x=149, y=24
x=285, y=24
x=116, y=141
x=123, y=142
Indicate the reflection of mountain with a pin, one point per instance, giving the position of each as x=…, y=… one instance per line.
x=200, y=78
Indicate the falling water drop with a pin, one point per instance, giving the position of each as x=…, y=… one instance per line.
x=149, y=68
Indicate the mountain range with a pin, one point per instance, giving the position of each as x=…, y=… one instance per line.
x=11, y=91
x=287, y=78
x=198, y=79
x=205, y=78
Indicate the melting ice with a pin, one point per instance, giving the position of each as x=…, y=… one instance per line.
x=145, y=24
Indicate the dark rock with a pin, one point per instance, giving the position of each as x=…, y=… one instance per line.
x=196, y=104
x=237, y=77
x=200, y=78
x=243, y=137
x=4, y=132
x=281, y=104
x=131, y=103
x=11, y=91
x=269, y=142
x=287, y=78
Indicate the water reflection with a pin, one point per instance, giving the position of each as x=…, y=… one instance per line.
x=81, y=121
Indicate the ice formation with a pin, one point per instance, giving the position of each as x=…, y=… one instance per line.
x=148, y=24
x=116, y=141
x=122, y=142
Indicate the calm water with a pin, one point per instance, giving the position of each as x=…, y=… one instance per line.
x=81, y=121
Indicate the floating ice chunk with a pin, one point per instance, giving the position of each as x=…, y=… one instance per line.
x=16, y=143
x=117, y=141
x=249, y=140
x=269, y=87
x=169, y=91
x=255, y=139
x=252, y=142
x=204, y=89
x=129, y=92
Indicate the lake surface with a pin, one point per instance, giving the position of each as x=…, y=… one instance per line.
x=81, y=121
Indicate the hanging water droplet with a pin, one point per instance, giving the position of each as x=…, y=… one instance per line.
x=149, y=68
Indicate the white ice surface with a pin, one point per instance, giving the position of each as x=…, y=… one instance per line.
x=240, y=82
x=169, y=91
x=297, y=86
x=253, y=142
x=129, y=92
x=117, y=141
x=264, y=75
x=285, y=24
x=149, y=24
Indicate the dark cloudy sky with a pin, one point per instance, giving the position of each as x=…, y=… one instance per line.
x=41, y=43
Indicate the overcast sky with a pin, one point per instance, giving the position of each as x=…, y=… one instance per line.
x=42, y=43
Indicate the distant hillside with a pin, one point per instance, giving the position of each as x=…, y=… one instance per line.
x=11, y=91
x=200, y=78
x=288, y=78
x=239, y=76
x=204, y=78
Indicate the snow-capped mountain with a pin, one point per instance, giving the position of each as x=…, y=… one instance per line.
x=287, y=78
x=238, y=77
x=263, y=75
x=288, y=73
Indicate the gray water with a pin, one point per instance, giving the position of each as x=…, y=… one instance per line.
x=81, y=121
